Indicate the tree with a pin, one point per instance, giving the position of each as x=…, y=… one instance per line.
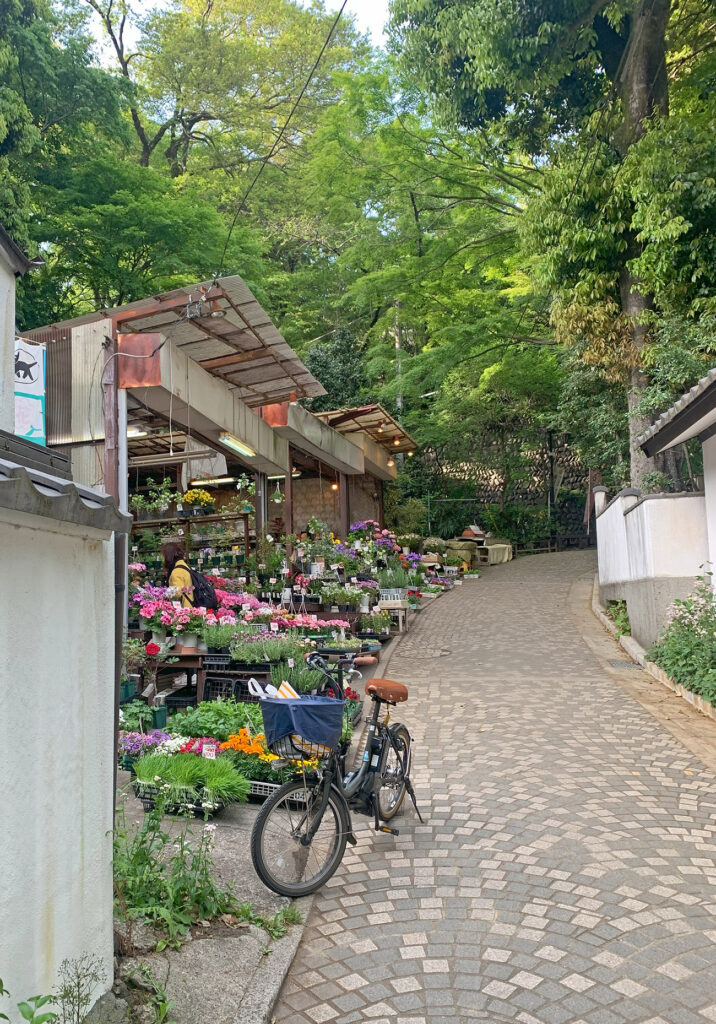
x=218, y=79
x=115, y=232
x=544, y=75
x=338, y=362
x=51, y=96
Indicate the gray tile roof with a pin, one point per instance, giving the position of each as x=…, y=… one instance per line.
x=678, y=407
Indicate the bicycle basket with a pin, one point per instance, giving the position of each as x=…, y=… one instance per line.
x=307, y=728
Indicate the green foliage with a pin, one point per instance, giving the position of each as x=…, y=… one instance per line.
x=187, y=778
x=164, y=877
x=219, y=635
x=620, y=617
x=219, y=719
x=686, y=650
x=137, y=716
x=520, y=524
x=301, y=678
x=406, y=516
x=158, y=998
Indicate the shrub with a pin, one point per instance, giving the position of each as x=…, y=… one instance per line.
x=216, y=718
x=686, y=650
x=620, y=617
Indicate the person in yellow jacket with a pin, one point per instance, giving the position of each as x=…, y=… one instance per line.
x=178, y=573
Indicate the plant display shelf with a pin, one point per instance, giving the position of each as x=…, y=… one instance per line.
x=196, y=521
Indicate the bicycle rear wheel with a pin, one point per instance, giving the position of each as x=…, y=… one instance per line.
x=281, y=861
x=392, y=778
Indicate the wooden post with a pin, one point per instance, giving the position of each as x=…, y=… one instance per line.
x=380, y=504
x=343, y=505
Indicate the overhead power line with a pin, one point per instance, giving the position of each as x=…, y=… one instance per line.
x=277, y=140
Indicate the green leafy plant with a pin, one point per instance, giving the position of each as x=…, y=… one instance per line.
x=620, y=617
x=134, y=655
x=393, y=579
x=377, y=621
x=158, y=997
x=686, y=650
x=136, y=716
x=30, y=1009
x=188, y=778
x=219, y=635
x=301, y=678
x=166, y=878
x=219, y=719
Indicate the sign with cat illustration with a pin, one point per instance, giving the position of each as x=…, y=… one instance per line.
x=30, y=391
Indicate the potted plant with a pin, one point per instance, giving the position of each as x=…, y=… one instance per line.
x=134, y=658
x=139, y=505
x=161, y=497
x=198, y=501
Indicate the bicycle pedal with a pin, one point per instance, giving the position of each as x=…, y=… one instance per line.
x=390, y=831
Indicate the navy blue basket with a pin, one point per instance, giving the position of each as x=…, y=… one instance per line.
x=307, y=728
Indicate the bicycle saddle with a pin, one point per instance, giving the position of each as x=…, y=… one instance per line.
x=387, y=689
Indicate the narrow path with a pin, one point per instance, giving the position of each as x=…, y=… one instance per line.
x=565, y=873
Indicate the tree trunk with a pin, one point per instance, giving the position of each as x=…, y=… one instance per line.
x=643, y=89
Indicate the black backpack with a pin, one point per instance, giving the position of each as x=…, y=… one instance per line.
x=204, y=595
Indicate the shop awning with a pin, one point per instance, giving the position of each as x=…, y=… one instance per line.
x=374, y=421
x=221, y=326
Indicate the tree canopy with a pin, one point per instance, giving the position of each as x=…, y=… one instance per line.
x=503, y=229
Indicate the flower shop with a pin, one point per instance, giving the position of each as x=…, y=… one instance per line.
x=185, y=408
x=193, y=677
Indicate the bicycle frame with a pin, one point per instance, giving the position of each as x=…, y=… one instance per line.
x=348, y=785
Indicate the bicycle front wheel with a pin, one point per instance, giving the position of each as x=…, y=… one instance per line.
x=281, y=860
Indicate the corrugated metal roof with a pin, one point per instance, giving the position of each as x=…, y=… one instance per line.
x=225, y=330
x=678, y=407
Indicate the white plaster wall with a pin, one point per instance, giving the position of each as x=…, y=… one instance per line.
x=657, y=537
x=612, y=552
x=56, y=750
x=709, y=451
x=7, y=348
x=667, y=537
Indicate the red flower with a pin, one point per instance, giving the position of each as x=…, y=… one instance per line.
x=152, y=649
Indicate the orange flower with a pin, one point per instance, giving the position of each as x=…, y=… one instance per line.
x=245, y=743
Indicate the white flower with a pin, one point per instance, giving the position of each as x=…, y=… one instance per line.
x=210, y=828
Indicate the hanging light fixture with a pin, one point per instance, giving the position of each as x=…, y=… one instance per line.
x=391, y=462
x=396, y=441
x=334, y=485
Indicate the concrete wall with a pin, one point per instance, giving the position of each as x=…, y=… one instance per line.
x=313, y=497
x=7, y=345
x=56, y=747
x=651, y=549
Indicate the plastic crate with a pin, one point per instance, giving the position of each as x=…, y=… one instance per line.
x=219, y=687
x=216, y=661
x=185, y=698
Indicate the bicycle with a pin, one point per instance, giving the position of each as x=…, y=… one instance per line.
x=300, y=834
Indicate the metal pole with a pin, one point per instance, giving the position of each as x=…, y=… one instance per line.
x=429, y=524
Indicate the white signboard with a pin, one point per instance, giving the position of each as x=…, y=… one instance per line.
x=30, y=391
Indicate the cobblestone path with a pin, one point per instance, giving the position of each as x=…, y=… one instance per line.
x=565, y=871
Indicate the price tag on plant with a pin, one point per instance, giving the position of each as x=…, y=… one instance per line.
x=274, y=627
x=334, y=566
x=246, y=607
x=272, y=580
x=209, y=751
x=354, y=579
x=290, y=662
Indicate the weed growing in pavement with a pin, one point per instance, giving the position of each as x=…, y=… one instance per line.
x=158, y=997
x=167, y=879
x=620, y=617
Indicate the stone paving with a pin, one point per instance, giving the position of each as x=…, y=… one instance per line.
x=565, y=873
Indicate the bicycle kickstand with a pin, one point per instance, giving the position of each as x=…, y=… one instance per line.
x=411, y=793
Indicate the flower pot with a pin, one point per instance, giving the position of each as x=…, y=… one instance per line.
x=159, y=717
x=187, y=642
x=365, y=603
x=127, y=689
x=159, y=636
